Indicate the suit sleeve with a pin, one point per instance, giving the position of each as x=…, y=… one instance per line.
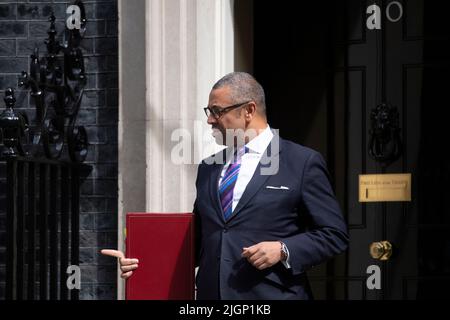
x=326, y=234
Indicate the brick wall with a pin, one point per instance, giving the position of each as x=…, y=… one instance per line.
x=22, y=25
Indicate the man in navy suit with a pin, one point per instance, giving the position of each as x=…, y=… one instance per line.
x=265, y=211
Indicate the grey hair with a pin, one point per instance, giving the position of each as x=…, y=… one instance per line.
x=243, y=87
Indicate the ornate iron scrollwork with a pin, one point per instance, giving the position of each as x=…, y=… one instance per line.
x=14, y=127
x=385, y=145
x=56, y=84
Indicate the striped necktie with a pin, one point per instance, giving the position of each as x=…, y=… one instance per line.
x=228, y=182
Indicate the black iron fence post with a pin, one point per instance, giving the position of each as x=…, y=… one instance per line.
x=31, y=231
x=75, y=225
x=43, y=225
x=65, y=187
x=11, y=224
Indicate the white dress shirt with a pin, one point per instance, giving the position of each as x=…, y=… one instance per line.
x=249, y=162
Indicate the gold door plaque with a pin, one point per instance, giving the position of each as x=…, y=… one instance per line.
x=384, y=187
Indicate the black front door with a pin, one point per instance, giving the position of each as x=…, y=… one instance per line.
x=326, y=67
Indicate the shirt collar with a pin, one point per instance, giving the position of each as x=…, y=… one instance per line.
x=259, y=143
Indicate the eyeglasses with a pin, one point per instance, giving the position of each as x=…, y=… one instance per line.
x=217, y=111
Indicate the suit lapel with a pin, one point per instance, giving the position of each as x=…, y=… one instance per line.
x=214, y=185
x=258, y=179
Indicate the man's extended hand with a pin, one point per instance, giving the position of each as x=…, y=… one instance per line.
x=263, y=255
x=126, y=265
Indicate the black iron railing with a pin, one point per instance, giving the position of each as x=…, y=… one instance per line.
x=42, y=227
x=44, y=168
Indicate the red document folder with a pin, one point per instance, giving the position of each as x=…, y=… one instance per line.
x=164, y=245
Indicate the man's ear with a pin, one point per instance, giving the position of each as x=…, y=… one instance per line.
x=250, y=110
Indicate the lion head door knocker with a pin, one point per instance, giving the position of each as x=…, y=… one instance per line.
x=385, y=145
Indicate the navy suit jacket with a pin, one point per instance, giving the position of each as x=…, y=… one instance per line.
x=306, y=218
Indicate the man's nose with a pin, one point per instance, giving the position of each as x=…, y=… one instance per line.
x=211, y=119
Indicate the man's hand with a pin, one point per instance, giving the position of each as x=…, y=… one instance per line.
x=263, y=255
x=126, y=265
